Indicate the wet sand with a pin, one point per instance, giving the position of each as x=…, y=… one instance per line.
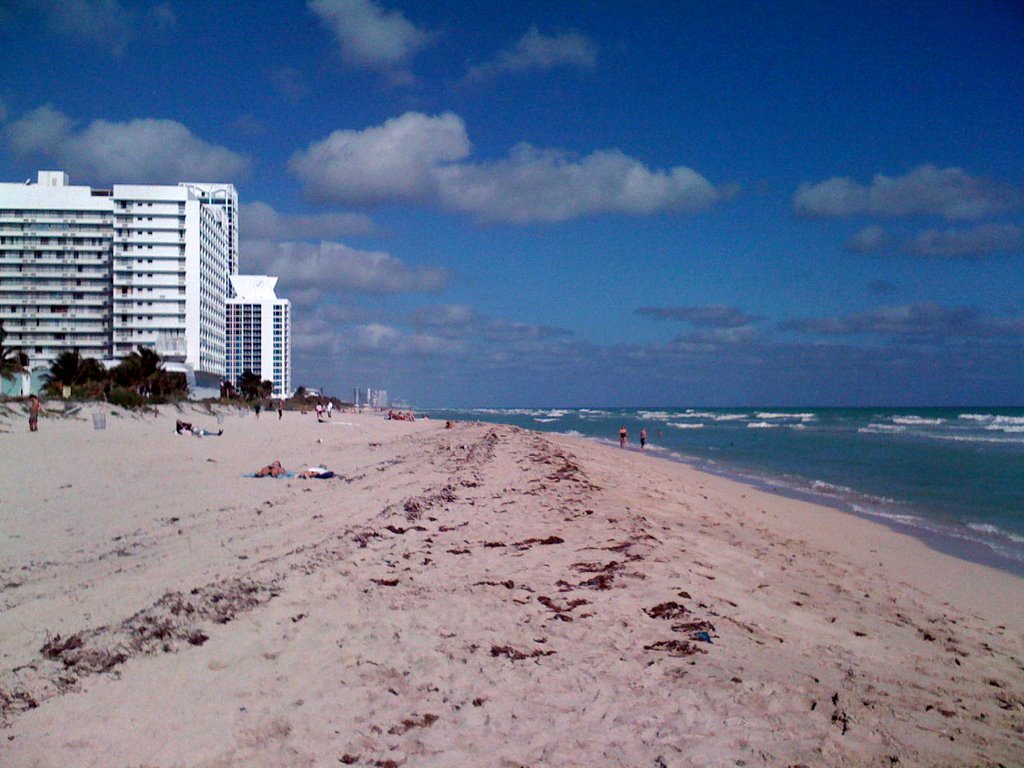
x=481, y=596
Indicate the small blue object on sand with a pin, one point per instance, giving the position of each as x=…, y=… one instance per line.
x=703, y=637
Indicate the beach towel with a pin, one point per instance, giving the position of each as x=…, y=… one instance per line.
x=285, y=476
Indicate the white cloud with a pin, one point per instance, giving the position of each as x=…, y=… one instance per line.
x=709, y=315
x=551, y=185
x=394, y=161
x=870, y=239
x=977, y=242
x=260, y=221
x=445, y=316
x=927, y=321
x=146, y=150
x=371, y=36
x=337, y=267
x=105, y=23
x=414, y=158
x=536, y=51
x=951, y=193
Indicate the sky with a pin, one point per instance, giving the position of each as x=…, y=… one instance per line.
x=577, y=203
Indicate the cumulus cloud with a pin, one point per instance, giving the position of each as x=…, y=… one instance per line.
x=551, y=185
x=260, y=221
x=371, y=36
x=978, y=242
x=146, y=150
x=394, y=161
x=871, y=239
x=445, y=316
x=386, y=339
x=929, y=321
x=331, y=266
x=419, y=158
x=536, y=51
x=104, y=23
x=927, y=190
x=711, y=315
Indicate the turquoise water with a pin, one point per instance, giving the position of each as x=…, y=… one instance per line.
x=953, y=476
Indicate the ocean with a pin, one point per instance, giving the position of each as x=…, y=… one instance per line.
x=954, y=477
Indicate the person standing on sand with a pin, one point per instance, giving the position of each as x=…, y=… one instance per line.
x=34, y=407
x=643, y=438
x=280, y=409
x=257, y=409
x=623, y=437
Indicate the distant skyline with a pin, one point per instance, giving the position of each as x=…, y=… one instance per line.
x=693, y=203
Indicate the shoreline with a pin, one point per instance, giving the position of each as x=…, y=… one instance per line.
x=982, y=544
x=485, y=595
x=944, y=540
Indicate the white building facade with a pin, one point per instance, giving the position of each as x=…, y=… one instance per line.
x=259, y=333
x=55, y=268
x=106, y=271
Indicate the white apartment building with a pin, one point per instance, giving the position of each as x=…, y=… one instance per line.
x=259, y=333
x=105, y=271
x=226, y=197
x=55, y=268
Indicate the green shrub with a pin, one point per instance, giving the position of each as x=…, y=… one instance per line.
x=125, y=398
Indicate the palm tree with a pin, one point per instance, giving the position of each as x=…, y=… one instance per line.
x=12, y=361
x=249, y=384
x=142, y=371
x=70, y=369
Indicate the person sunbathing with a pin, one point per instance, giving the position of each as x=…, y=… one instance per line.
x=273, y=469
x=321, y=473
x=184, y=427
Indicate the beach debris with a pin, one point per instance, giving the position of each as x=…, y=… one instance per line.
x=527, y=543
x=159, y=628
x=511, y=653
x=385, y=582
x=677, y=648
x=409, y=723
x=839, y=715
x=669, y=610
x=562, y=612
x=508, y=584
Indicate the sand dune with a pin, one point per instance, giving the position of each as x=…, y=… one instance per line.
x=481, y=596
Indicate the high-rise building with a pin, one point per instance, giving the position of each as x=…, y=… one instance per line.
x=259, y=335
x=55, y=244
x=106, y=271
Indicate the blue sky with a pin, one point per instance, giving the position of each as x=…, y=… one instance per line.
x=607, y=203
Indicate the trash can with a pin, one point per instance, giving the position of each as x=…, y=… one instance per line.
x=99, y=421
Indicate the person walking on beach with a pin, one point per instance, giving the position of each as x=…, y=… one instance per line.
x=623, y=437
x=34, y=407
x=280, y=409
x=256, y=408
x=643, y=438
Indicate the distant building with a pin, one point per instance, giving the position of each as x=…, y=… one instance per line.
x=106, y=271
x=259, y=335
x=56, y=244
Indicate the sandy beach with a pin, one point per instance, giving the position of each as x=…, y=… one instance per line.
x=479, y=596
